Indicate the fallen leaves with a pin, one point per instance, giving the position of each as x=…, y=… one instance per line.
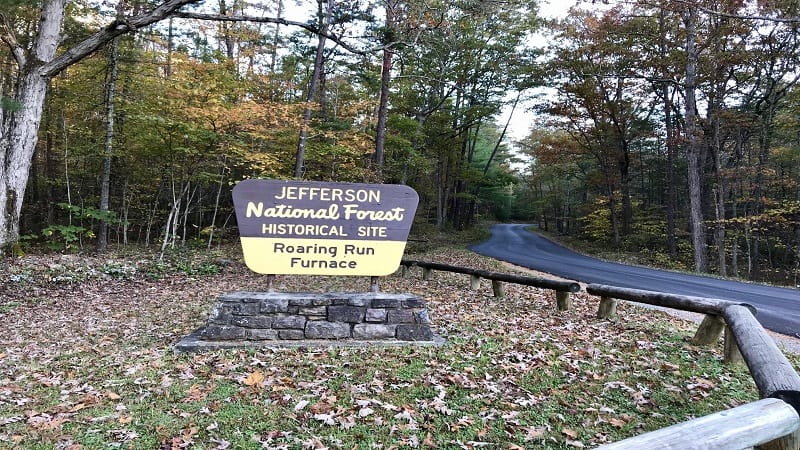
x=514, y=374
x=254, y=379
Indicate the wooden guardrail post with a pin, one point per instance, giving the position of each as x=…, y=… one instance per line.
x=773, y=374
x=608, y=308
x=474, y=282
x=498, y=289
x=732, y=353
x=731, y=348
x=426, y=273
x=788, y=442
x=709, y=330
x=563, y=302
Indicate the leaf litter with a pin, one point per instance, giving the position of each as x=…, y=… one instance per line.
x=88, y=363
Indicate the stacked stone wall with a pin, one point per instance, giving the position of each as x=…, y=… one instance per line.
x=265, y=316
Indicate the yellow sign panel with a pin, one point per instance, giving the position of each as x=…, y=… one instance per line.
x=314, y=256
x=294, y=227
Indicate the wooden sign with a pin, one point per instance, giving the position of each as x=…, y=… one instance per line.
x=311, y=228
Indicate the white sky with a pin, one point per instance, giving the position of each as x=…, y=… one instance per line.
x=522, y=120
x=555, y=8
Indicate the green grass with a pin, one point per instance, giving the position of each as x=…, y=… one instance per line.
x=96, y=370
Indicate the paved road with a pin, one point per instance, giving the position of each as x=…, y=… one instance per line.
x=778, y=308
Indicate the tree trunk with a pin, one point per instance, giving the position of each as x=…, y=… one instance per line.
x=126, y=204
x=105, y=176
x=612, y=206
x=273, y=63
x=216, y=201
x=735, y=255
x=694, y=145
x=719, y=231
x=227, y=34
x=37, y=65
x=624, y=165
x=671, y=200
x=386, y=78
x=21, y=127
x=316, y=75
x=152, y=217
x=440, y=196
x=16, y=153
x=672, y=242
x=719, y=198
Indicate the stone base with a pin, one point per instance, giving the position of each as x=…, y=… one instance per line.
x=247, y=319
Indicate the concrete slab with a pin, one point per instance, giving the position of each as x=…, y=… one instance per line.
x=193, y=343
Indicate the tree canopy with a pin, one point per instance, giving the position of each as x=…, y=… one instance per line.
x=666, y=127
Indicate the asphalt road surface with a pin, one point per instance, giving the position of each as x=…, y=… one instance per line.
x=778, y=308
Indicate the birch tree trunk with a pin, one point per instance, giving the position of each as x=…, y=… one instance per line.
x=20, y=130
x=216, y=202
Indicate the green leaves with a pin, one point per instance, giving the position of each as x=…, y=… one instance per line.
x=9, y=104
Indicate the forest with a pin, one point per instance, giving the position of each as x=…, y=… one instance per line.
x=664, y=127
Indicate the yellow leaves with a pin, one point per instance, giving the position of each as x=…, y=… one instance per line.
x=255, y=379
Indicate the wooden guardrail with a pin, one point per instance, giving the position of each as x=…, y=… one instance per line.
x=776, y=427
x=710, y=329
x=772, y=423
x=562, y=288
x=745, y=426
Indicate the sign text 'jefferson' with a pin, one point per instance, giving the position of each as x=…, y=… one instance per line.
x=297, y=227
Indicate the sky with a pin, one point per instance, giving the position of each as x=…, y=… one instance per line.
x=521, y=121
x=555, y=8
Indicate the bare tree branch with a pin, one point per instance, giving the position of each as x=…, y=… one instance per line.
x=750, y=17
x=7, y=36
x=280, y=21
x=116, y=28
x=714, y=12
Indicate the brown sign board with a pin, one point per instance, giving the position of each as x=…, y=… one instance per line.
x=320, y=228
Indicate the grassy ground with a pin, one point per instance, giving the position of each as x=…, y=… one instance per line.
x=86, y=361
